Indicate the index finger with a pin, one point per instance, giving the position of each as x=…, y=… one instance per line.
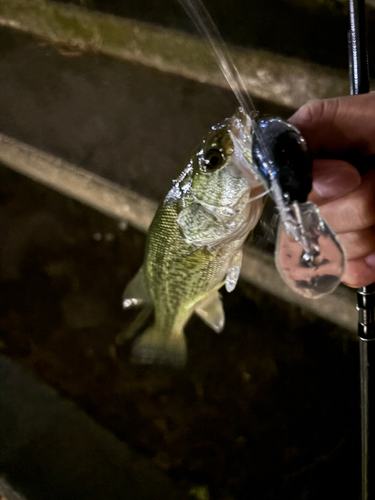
x=341, y=124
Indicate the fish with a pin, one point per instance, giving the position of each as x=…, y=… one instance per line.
x=194, y=244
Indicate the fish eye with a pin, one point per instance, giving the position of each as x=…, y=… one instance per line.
x=213, y=159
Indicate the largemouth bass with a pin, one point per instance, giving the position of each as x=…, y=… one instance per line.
x=194, y=243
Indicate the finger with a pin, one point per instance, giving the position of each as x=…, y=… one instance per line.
x=358, y=244
x=359, y=273
x=355, y=211
x=332, y=179
x=338, y=124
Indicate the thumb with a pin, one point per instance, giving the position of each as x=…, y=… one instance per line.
x=341, y=124
x=332, y=179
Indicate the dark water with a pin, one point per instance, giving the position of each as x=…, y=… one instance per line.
x=266, y=410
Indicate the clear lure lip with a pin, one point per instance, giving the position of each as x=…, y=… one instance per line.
x=308, y=255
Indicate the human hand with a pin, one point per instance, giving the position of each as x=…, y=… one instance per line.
x=340, y=132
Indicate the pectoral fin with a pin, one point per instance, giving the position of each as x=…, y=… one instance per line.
x=234, y=273
x=211, y=311
x=135, y=293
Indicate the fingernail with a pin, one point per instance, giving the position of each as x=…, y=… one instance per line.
x=370, y=260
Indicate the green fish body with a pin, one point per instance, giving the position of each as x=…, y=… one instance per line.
x=194, y=243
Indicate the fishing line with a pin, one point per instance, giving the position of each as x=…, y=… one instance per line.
x=208, y=30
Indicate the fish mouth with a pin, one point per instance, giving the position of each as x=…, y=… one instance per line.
x=241, y=129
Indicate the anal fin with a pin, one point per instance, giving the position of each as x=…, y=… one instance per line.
x=211, y=311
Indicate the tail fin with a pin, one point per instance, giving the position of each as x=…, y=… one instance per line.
x=154, y=346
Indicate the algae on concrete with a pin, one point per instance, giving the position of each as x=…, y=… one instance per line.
x=269, y=76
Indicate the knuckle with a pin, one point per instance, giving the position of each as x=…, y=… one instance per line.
x=365, y=213
x=358, y=243
x=310, y=111
x=352, y=280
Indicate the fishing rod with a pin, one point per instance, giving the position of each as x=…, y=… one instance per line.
x=360, y=84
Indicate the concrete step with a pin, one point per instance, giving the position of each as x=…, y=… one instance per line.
x=312, y=30
x=49, y=449
x=268, y=74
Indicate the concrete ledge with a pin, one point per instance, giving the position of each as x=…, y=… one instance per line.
x=278, y=79
x=78, y=183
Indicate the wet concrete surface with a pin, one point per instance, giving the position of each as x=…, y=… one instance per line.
x=268, y=409
x=131, y=124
